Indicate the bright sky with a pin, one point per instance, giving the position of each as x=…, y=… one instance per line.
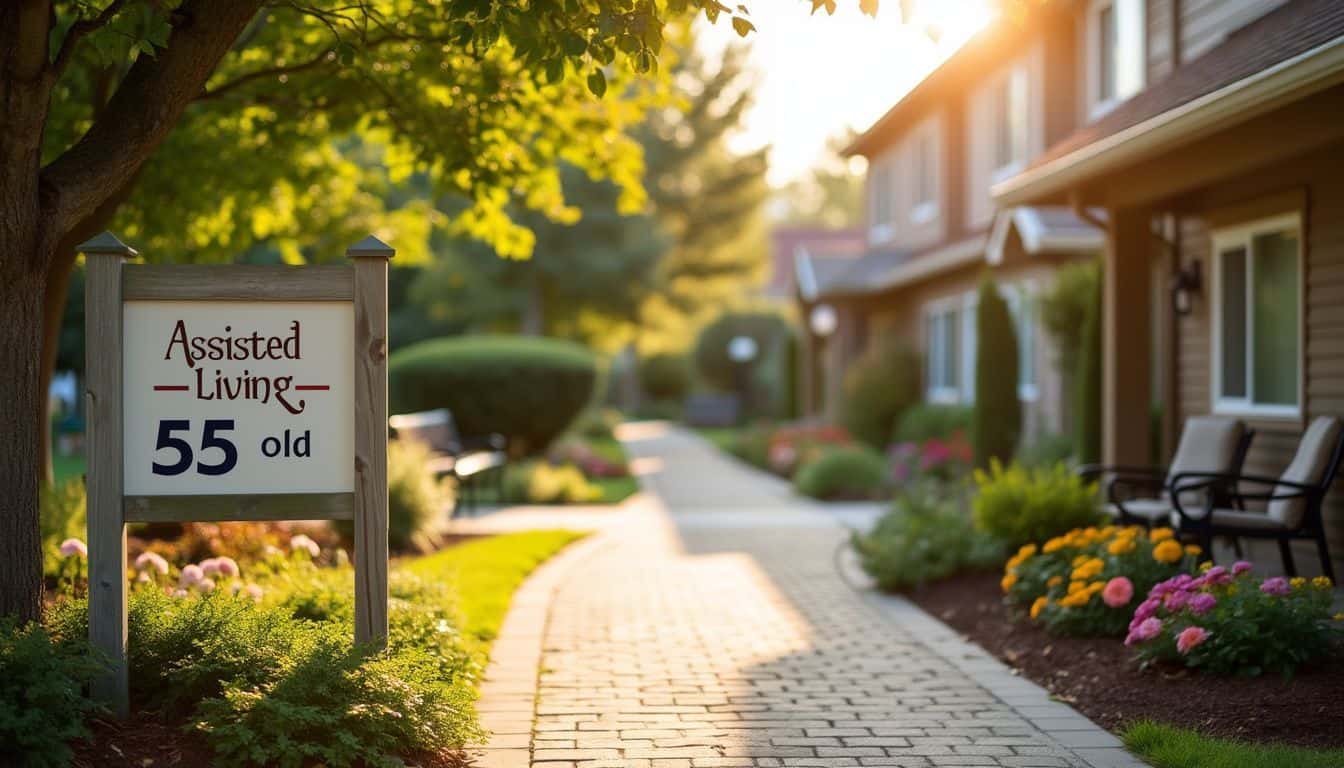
x=818, y=75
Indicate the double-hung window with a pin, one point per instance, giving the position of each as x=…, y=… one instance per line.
x=949, y=350
x=1257, y=317
x=924, y=202
x=1008, y=102
x=881, y=198
x=1022, y=306
x=1115, y=53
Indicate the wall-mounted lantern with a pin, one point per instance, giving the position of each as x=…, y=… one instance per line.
x=1185, y=286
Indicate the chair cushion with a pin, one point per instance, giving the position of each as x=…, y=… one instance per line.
x=1208, y=444
x=1146, y=509
x=1308, y=466
x=1235, y=518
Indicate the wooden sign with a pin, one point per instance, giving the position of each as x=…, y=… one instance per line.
x=233, y=393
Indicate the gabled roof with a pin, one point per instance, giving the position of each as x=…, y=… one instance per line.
x=882, y=270
x=843, y=245
x=1045, y=229
x=1295, y=46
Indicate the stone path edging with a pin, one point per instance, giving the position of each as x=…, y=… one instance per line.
x=1092, y=744
x=507, y=703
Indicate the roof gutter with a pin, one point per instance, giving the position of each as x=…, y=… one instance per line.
x=1306, y=73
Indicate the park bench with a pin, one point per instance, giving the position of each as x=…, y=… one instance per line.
x=470, y=462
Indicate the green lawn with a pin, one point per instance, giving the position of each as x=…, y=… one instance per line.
x=68, y=467
x=721, y=437
x=486, y=572
x=1166, y=747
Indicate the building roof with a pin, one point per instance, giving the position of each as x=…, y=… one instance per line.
x=1045, y=229
x=843, y=245
x=1292, y=34
x=880, y=270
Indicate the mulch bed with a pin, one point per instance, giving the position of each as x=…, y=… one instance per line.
x=1099, y=677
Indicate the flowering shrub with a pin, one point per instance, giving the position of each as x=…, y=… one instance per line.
x=1231, y=622
x=540, y=482
x=793, y=446
x=1085, y=581
x=945, y=459
x=1021, y=506
x=582, y=455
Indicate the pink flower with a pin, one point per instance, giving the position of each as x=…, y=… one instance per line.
x=1240, y=567
x=1117, y=592
x=151, y=561
x=302, y=542
x=74, y=548
x=190, y=575
x=179, y=593
x=1202, y=603
x=1277, y=585
x=1217, y=575
x=1145, y=631
x=254, y=592
x=1191, y=638
x=1146, y=610
x=1176, y=601
x=206, y=584
x=210, y=566
x=226, y=566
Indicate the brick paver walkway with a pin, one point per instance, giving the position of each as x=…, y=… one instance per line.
x=709, y=625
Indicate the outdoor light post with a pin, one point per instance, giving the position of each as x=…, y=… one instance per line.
x=822, y=321
x=742, y=351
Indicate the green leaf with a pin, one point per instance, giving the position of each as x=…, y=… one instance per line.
x=597, y=83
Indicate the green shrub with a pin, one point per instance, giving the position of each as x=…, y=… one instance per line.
x=62, y=516
x=930, y=421
x=925, y=537
x=665, y=377
x=848, y=472
x=1064, y=309
x=1046, y=449
x=1020, y=506
x=1087, y=419
x=525, y=388
x=768, y=329
x=540, y=482
x=415, y=498
x=752, y=444
x=997, y=425
x=879, y=386
x=42, y=701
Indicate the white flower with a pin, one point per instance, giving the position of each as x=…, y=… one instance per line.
x=190, y=575
x=148, y=560
x=74, y=547
x=302, y=542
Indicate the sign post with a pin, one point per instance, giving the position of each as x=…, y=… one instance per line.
x=233, y=393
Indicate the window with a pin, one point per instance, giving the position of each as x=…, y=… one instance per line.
x=1009, y=103
x=1257, y=317
x=1115, y=44
x=882, y=183
x=1022, y=304
x=924, y=205
x=949, y=350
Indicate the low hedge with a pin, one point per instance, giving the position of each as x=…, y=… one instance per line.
x=844, y=473
x=528, y=389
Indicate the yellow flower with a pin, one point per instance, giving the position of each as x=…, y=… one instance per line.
x=1008, y=581
x=1054, y=545
x=1168, y=551
x=1038, y=606
x=1161, y=534
x=1076, y=599
x=1339, y=617
x=1079, y=560
x=1026, y=551
x=1076, y=586
x=1121, y=546
x=1054, y=581
x=1298, y=582
x=1206, y=565
x=1193, y=549
x=1322, y=582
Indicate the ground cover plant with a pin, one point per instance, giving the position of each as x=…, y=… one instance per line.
x=1165, y=746
x=258, y=661
x=1088, y=581
x=925, y=536
x=1025, y=506
x=1229, y=621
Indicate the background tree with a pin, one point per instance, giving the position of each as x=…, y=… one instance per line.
x=485, y=97
x=996, y=427
x=1064, y=310
x=830, y=194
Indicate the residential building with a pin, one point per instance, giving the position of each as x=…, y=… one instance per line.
x=1214, y=142
x=933, y=231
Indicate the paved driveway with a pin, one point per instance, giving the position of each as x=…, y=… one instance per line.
x=715, y=621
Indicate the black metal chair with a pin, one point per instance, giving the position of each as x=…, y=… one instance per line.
x=1294, y=501
x=1141, y=495
x=468, y=461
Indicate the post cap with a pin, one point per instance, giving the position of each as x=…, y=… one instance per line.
x=370, y=247
x=106, y=243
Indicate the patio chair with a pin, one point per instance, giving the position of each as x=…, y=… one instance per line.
x=1142, y=495
x=1293, y=500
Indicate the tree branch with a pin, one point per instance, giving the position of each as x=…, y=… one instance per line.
x=78, y=31
x=261, y=74
x=147, y=104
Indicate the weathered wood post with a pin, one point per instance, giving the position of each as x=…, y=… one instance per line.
x=106, y=519
x=370, y=256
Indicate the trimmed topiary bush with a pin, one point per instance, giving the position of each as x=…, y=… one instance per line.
x=769, y=330
x=849, y=472
x=665, y=377
x=997, y=424
x=528, y=389
x=878, y=388
x=929, y=421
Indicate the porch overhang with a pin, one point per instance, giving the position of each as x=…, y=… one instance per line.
x=1043, y=230
x=1058, y=179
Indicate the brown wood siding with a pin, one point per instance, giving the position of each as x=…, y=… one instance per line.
x=1157, y=18
x=1318, y=173
x=1205, y=23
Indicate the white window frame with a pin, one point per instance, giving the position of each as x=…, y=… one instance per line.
x=1242, y=235
x=1010, y=105
x=924, y=161
x=943, y=393
x=882, y=199
x=962, y=307
x=1131, y=53
x=1019, y=294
